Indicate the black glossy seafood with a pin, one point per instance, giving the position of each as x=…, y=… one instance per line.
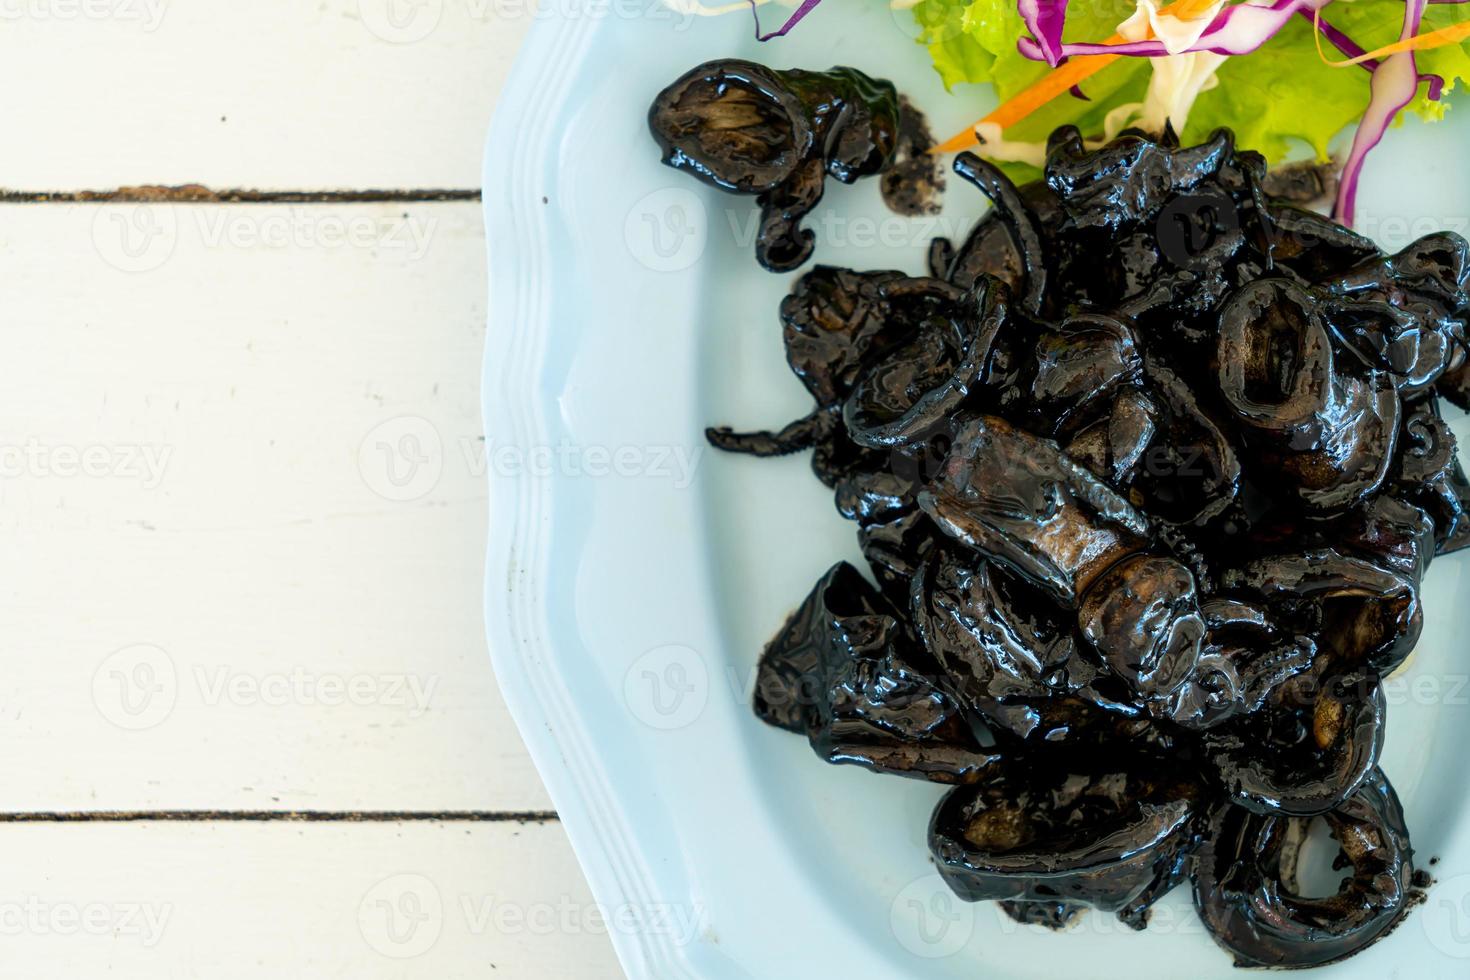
x=1243, y=881
x=749, y=129
x=1148, y=473
x=1112, y=835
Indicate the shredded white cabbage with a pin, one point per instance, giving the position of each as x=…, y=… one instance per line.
x=1178, y=79
x=994, y=146
x=1176, y=33
x=1176, y=82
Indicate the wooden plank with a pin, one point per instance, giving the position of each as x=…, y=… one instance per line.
x=267, y=94
x=365, y=901
x=243, y=509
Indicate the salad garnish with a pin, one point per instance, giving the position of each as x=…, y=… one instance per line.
x=1188, y=64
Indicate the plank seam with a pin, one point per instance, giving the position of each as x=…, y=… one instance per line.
x=199, y=194
x=281, y=816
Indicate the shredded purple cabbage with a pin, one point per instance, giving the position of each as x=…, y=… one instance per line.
x=1045, y=19
x=797, y=16
x=1395, y=82
x=1351, y=49
x=1339, y=40
x=1244, y=28
x=1239, y=29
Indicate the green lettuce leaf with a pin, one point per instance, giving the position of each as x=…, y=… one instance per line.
x=1298, y=99
x=1275, y=100
x=958, y=55
x=975, y=41
x=1374, y=24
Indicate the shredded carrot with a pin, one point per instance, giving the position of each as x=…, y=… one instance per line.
x=1419, y=42
x=1057, y=82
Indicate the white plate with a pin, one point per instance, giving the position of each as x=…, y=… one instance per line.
x=634, y=576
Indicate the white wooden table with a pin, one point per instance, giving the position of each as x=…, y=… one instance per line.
x=249, y=725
